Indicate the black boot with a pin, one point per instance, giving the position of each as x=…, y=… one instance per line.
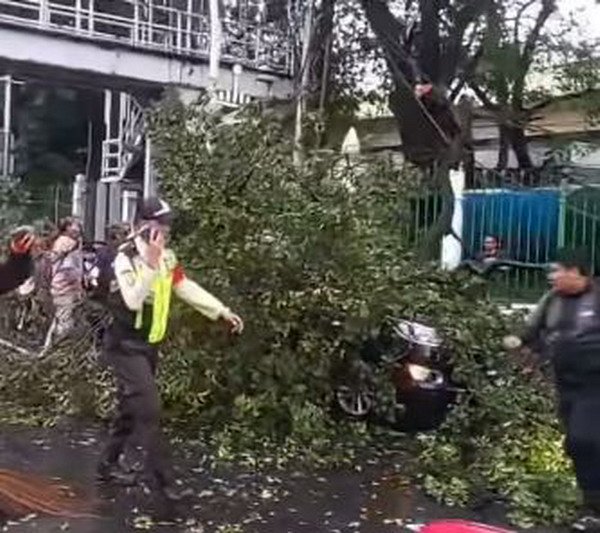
x=103, y=470
x=116, y=472
x=589, y=521
x=169, y=488
x=175, y=493
x=113, y=473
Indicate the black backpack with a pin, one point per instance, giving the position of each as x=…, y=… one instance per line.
x=98, y=270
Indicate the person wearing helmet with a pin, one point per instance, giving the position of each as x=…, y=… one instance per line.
x=146, y=273
x=18, y=268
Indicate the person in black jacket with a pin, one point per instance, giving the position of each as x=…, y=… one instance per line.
x=19, y=265
x=565, y=330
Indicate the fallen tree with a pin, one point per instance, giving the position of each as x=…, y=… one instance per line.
x=314, y=257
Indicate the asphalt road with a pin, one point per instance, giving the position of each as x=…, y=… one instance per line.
x=374, y=497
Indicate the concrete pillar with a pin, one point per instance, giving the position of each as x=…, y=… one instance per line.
x=149, y=188
x=93, y=172
x=101, y=211
x=216, y=37
x=79, y=197
x=451, y=247
x=128, y=204
x=114, y=203
x=351, y=149
x=235, y=86
x=5, y=162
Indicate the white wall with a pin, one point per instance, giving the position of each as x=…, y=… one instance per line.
x=487, y=156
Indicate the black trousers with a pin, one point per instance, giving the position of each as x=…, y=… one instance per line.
x=136, y=439
x=580, y=414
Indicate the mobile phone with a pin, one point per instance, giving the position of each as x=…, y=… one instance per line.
x=146, y=233
x=150, y=231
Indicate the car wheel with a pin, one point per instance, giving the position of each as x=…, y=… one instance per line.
x=355, y=402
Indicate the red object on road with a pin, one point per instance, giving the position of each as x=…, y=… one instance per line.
x=461, y=526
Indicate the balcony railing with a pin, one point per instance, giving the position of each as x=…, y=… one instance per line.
x=183, y=30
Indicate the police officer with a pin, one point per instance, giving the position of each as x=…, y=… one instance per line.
x=146, y=273
x=565, y=330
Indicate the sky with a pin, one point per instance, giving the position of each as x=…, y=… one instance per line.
x=588, y=12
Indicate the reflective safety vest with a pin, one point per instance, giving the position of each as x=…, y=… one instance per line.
x=162, y=288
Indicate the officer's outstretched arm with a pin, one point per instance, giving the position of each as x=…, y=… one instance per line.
x=198, y=298
x=534, y=326
x=134, y=283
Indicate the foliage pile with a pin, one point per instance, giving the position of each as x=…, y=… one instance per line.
x=503, y=442
x=65, y=382
x=314, y=268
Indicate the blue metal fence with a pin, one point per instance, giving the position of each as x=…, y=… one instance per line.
x=526, y=224
x=531, y=218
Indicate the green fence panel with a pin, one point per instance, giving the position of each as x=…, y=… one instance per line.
x=582, y=222
x=27, y=205
x=532, y=221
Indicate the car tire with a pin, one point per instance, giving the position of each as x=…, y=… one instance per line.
x=413, y=418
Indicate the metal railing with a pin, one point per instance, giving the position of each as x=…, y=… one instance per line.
x=151, y=26
x=120, y=152
x=525, y=223
x=27, y=204
x=531, y=220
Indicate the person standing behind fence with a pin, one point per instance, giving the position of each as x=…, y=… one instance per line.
x=66, y=285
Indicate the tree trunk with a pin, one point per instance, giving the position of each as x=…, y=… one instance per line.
x=430, y=248
x=429, y=49
x=519, y=144
x=503, y=148
x=465, y=118
x=388, y=29
x=324, y=48
x=303, y=84
x=326, y=44
x=94, y=155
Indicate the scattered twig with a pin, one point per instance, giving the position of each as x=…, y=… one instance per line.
x=15, y=348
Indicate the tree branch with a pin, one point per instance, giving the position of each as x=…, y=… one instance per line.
x=463, y=17
x=389, y=31
x=518, y=16
x=548, y=8
x=483, y=97
x=430, y=46
x=467, y=73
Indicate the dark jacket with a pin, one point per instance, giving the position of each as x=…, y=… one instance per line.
x=14, y=272
x=566, y=331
